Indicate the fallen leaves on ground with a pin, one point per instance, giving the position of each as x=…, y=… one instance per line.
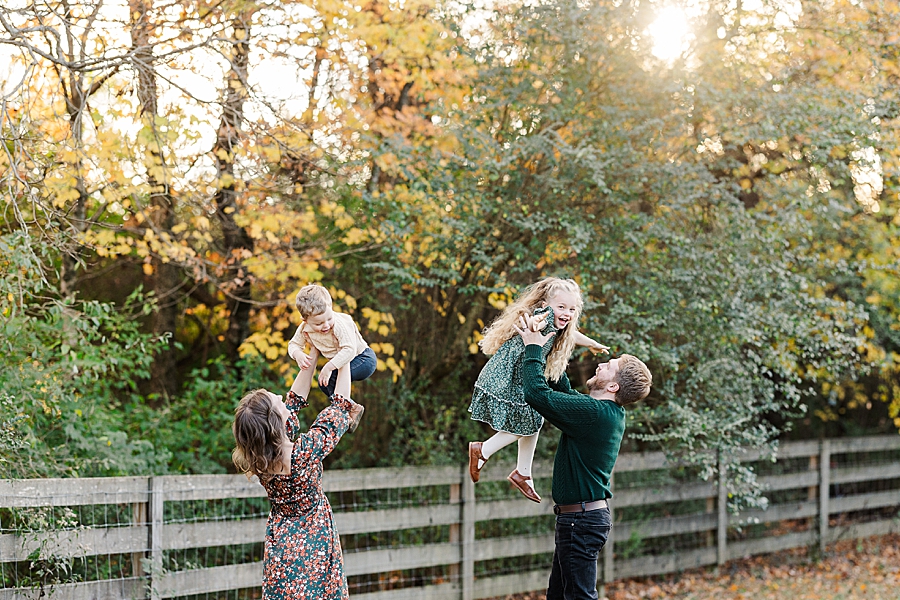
x=867, y=569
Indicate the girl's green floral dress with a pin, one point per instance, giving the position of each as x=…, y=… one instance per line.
x=499, y=398
x=302, y=559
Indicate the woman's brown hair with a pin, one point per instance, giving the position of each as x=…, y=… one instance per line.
x=258, y=434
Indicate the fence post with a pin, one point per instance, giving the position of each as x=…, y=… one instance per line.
x=824, y=475
x=608, y=550
x=455, y=497
x=722, y=520
x=139, y=519
x=157, y=516
x=710, y=509
x=468, y=538
x=812, y=492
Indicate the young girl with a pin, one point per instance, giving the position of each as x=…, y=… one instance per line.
x=302, y=557
x=499, y=398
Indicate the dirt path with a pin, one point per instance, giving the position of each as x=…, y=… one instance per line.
x=852, y=570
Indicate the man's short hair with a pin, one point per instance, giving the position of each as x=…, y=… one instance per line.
x=313, y=300
x=634, y=380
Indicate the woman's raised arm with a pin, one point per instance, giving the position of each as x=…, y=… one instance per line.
x=333, y=421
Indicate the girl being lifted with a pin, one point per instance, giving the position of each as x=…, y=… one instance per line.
x=499, y=398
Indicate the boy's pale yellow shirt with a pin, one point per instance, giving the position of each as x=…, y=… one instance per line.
x=340, y=345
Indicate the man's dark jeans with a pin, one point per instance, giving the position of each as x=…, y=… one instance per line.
x=579, y=539
x=361, y=367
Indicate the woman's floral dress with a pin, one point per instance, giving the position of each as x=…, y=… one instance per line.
x=499, y=398
x=303, y=559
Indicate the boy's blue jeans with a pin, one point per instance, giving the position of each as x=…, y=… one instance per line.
x=579, y=539
x=361, y=367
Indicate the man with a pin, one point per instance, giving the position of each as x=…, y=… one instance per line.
x=592, y=427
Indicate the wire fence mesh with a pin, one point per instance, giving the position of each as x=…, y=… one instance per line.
x=403, y=529
x=63, y=535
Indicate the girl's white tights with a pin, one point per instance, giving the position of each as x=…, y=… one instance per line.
x=499, y=440
x=527, y=446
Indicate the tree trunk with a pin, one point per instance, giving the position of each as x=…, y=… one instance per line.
x=76, y=98
x=163, y=277
x=76, y=101
x=237, y=243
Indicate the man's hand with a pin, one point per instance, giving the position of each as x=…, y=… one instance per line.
x=526, y=328
x=325, y=374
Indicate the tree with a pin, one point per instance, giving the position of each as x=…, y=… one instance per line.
x=680, y=201
x=428, y=160
x=66, y=365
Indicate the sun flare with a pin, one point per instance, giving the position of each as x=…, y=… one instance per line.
x=669, y=33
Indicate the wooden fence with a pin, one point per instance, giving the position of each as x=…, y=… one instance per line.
x=818, y=477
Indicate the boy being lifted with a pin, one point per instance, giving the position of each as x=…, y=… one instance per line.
x=333, y=335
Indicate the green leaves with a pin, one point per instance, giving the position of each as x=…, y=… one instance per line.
x=685, y=204
x=707, y=207
x=63, y=366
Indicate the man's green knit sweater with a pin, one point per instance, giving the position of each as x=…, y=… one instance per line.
x=592, y=432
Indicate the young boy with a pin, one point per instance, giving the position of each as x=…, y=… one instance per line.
x=334, y=336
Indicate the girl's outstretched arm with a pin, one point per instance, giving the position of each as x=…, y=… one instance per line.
x=594, y=346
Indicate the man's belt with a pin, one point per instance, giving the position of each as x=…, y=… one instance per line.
x=580, y=507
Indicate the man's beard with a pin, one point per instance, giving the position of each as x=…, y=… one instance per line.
x=594, y=383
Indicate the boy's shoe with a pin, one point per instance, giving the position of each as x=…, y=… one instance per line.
x=356, y=413
x=520, y=482
x=475, y=456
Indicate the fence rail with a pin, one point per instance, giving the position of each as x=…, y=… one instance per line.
x=825, y=491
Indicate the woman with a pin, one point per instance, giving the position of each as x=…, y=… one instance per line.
x=302, y=559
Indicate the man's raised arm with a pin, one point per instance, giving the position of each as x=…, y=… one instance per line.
x=566, y=411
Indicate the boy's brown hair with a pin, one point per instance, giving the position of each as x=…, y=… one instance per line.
x=634, y=380
x=312, y=300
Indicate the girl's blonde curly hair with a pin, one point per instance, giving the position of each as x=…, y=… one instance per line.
x=533, y=297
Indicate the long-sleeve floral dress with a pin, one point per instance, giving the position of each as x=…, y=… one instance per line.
x=303, y=559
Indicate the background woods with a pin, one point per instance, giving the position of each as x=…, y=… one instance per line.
x=172, y=172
